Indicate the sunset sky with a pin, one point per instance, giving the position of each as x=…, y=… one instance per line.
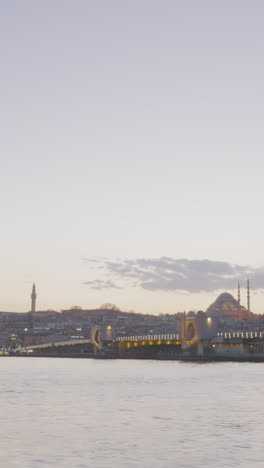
x=132, y=153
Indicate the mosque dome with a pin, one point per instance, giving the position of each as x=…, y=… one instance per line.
x=226, y=304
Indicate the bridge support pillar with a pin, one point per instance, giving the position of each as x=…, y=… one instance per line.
x=200, y=349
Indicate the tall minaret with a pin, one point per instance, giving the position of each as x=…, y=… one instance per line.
x=33, y=299
x=248, y=296
x=238, y=293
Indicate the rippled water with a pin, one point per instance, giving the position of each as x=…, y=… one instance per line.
x=88, y=413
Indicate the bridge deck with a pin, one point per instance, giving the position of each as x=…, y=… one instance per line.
x=155, y=339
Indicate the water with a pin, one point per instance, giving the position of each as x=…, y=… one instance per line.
x=75, y=413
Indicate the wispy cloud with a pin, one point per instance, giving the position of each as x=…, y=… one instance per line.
x=101, y=284
x=169, y=274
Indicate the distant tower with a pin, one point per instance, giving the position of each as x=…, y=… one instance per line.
x=248, y=296
x=33, y=299
x=238, y=293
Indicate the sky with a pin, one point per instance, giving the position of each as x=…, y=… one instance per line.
x=131, y=153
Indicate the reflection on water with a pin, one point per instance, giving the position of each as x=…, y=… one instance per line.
x=75, y=413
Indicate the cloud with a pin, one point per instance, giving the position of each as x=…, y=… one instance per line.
x=169, y=274
x=96, y=260
x=101, y=284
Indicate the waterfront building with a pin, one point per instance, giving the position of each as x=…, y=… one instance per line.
x=227, y=308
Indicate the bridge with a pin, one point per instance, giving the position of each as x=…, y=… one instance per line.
x=90, y=346
x=172, y=346
x=198, y=336
x=69, y=344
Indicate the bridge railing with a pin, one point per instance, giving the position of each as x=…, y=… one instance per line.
x=241, y=335
x=162, y=337
x=57, y=344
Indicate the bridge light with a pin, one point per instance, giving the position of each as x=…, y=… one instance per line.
x=209, y=321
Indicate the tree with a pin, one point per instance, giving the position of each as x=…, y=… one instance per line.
x=109, y=306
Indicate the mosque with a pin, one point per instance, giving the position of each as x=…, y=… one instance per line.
x=226, y=307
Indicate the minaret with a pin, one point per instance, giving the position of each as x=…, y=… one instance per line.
x=238, y=293
x=33, y=299
x=248, y=296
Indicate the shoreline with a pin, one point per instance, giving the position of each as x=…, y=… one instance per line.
x=147, y=358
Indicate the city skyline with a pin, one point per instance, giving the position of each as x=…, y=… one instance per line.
x=131, y=134
x=241, y=293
